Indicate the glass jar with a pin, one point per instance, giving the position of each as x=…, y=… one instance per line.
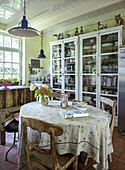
x=64, y=101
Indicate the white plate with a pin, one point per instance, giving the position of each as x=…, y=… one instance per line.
x=87, y=47
x=107, y=45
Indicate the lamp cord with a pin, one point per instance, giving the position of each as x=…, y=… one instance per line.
x=24, y=8
x=41, y=39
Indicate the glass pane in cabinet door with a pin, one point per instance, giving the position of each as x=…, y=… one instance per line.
x=56, y=66
x=109, y=63
x=89, y=83
x=70, y=65
x=70, y=49
x=89, y=99
x=56, y=51
x=109, y=43
x=70, y=82
x=109, y=84
x=57, y=81
x=89, y=64
x=89, y=46
x=72, y=95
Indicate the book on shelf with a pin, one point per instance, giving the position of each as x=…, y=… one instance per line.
x=109, y=81
x=73, y=114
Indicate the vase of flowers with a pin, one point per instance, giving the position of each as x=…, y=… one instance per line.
x=42, y=93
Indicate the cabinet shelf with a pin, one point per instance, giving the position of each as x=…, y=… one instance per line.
x=89, y=43
x=70, y=47
x=70, y=91
x=109, y=60
x=109, y=40
x=71, y=57
x=70, y=84
x=56, y=57
x=89, y=50
x=89, y=85
x=108, y=87
x=73, y=63
x=69, y=71
x=103, y=49
x=109, y=95
x=57, y=84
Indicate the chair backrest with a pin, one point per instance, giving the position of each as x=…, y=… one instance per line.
x=111, y=103
x=41, y=126
x=57, y=94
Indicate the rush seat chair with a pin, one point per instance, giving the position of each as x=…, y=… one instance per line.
x=41, y=157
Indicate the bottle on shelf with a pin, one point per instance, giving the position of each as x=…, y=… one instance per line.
x=81, y=30
x=76, y=31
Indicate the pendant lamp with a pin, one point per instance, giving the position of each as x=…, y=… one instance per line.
x=41, y=55
x=23, y=30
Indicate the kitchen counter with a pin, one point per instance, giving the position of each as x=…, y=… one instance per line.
x=10, y=99
x=38, y=83
x=14, y=87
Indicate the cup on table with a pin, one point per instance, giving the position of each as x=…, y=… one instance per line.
x=74, y=102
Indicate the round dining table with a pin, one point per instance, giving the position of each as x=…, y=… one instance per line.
x=89, y=134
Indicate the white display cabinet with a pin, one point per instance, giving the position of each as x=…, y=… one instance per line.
x=64, y=66
x=99, y=55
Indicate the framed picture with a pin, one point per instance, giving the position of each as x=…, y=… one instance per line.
x=35, y=63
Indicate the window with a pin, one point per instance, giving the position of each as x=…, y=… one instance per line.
x=9, y=57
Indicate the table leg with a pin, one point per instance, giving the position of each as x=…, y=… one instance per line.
x=2, y=137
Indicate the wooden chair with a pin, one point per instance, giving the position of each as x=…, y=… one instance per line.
x=57, y=94
x=106, y=101
x=41, y=157
x=11, y=127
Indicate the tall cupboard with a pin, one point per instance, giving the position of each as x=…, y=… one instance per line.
x=64, y=66
x=87, y=65
x=99, y=58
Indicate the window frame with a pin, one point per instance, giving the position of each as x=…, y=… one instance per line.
x=11, y=50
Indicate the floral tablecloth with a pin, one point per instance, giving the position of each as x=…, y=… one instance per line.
x=89, y=134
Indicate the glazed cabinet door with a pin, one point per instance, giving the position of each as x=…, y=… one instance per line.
x=56, y=53
x=109, y=54
x=71, y=56
x=88, y=69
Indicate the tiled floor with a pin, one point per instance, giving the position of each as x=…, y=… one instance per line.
x=118, y=162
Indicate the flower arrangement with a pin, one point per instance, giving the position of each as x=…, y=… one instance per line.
x=44, y=91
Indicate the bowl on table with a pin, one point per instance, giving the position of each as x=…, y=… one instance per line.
x=5, y=85
x=82, y=106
